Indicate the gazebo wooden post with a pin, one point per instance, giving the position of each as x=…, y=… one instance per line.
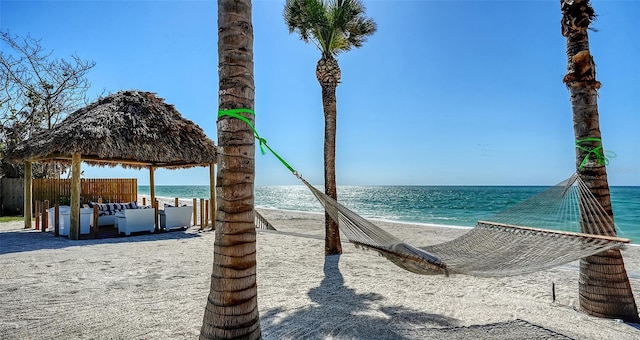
x=206, y=213
x=212, y=193
x=74, y=230
x=152, y=184
x=195, y=211
x=152, y=191
x=37, y=215
x=45, y=216
x=202, y=223
x=56, y=220
x=96, y=227
x=156, y=211
x=28, y=186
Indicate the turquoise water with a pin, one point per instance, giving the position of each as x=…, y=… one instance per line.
x=446, y=205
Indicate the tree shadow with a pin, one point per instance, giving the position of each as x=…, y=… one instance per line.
x=339, y=312
x=22, y=240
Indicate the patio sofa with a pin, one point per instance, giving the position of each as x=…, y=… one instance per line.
x=107, y=211
x=175, y=217
x=135, y=220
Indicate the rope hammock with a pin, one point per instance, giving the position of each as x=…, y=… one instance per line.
x=499, y=246
x=493, y=248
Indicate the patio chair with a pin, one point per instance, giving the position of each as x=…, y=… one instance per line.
x=135, y=220
x=175, y=217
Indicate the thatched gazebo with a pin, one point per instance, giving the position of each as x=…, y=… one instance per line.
x=132, y=129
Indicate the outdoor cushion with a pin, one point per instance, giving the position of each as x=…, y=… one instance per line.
x=114, y=206
x=110, y=209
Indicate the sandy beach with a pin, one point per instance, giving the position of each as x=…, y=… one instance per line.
x=155, y=286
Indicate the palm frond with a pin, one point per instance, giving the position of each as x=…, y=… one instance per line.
x=358, y=31
x=306, y=17
x=335, y=26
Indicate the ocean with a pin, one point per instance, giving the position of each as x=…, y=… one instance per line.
x=459, y=206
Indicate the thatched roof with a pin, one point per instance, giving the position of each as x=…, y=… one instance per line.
x=134, y=129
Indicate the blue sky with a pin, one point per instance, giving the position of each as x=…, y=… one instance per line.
x=445, y=93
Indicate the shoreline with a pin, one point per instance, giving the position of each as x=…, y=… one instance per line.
x=155, y=286
x=433, y=225
x=171, y=200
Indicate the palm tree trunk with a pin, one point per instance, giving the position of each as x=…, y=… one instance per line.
x=328, y=74
x=332, y=245
x=232, y=307
x=28, y=192
x=604, y=287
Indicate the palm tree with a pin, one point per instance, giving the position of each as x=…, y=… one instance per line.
x=232, y=307
x=604, y=286
x=334, y=26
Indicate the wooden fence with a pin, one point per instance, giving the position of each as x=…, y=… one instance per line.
x=119, y=190
x=11, y=196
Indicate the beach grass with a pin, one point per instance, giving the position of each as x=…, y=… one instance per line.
x=10, y=218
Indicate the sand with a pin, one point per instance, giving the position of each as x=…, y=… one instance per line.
x=155, y=286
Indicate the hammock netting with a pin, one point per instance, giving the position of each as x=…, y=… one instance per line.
x=514, y=242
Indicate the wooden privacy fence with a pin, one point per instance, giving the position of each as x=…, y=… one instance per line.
x=12, y=196
x=115, y=190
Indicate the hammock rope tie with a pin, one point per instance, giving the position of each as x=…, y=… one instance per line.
x=597, y=152
x=236, y=113
x=507, y=245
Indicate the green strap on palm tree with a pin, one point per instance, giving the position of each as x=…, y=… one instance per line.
x=236, y=113
x=597, y=152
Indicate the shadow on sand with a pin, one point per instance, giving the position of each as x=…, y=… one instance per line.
x=15, y=241
x=339, y=312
